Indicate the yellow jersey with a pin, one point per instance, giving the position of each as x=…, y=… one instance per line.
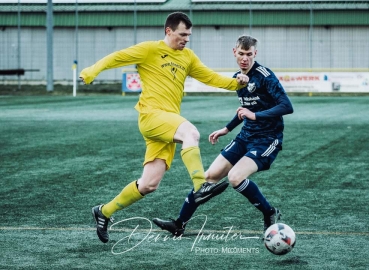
x=163, y=72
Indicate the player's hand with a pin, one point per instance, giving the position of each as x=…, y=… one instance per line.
x=85, y=76
x=82, y=79
x=245, y=113
x=242, y=79
x=213, y=137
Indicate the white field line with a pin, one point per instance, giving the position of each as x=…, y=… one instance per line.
x=31, y=228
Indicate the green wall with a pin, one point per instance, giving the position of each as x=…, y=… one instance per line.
x=221, y=18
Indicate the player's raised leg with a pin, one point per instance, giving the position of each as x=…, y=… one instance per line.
x=217, y=171
x=191, y=157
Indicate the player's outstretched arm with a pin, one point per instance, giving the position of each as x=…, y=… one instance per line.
x=209, y=77
x=88, y=74
x=113, y=60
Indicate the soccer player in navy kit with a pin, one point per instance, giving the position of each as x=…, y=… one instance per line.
x=263, y=103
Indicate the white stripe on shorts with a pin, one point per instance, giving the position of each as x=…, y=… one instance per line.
x=270, y=149
x=229, y=145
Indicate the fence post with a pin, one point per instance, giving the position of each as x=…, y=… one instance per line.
x=49, y=30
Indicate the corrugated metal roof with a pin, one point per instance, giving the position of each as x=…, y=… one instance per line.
x=239, y=17
x=173, y=5
x=286, y=5
x=110, y=15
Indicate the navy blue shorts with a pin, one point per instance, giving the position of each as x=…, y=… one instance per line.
x=261, y=150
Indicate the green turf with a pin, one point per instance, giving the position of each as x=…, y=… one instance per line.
x=62, y=155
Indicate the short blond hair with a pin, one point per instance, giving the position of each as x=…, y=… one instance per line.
x=246, y=42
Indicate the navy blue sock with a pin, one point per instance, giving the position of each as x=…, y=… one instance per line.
x=251, y=191
x=188, y=209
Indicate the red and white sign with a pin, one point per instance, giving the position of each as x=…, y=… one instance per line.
x=324, y=81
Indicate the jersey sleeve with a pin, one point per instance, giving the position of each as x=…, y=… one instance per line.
x=234, y=123
x=209, y=77
x=283, y=104
x=129, y=56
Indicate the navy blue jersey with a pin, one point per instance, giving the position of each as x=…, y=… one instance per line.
x=264, y=96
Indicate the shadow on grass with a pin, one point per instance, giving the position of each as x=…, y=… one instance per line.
x=292, y=261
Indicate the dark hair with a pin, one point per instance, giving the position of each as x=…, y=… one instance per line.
x=246, y=42
x=175, y=18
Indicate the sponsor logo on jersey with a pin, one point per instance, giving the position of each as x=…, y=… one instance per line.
x=248, y=101
x=174, y=71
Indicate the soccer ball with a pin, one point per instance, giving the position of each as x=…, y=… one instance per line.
x=279, y=239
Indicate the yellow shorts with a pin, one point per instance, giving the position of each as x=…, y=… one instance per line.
x=158, y=128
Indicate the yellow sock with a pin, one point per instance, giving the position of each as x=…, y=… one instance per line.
x=125, y=198
x=192, y=160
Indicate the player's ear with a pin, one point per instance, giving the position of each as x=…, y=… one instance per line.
x=168, y=30
x=234, y=51
x=256, y=51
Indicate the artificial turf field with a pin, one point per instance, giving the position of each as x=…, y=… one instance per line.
x=61, y=155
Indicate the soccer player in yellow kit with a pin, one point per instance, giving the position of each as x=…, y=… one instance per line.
x=163, y=67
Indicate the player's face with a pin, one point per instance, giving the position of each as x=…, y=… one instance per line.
x=179, y=37
x=245, y=58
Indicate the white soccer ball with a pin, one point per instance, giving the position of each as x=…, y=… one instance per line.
x=279, y=239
